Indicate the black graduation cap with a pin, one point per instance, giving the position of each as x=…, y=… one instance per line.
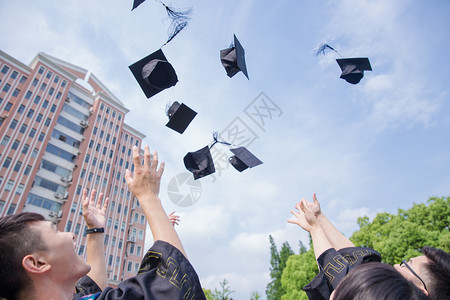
x=200, y=162
x=136, y=3
x=180, y=116
x=243, y=159
x=154, y=73
x=233, y=59
x=353, y=68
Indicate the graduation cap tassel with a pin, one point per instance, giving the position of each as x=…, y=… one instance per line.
x=179, y=20
x=215, y=137
x=322, y=49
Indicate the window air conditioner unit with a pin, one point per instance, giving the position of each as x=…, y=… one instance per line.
x=60, y=212
x=58, y=195
x=52, y=214
x=63, y=179
x=68, y=100
x=66, y=195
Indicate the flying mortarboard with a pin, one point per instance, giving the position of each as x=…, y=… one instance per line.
x=353, y=68
x=233, y=59
x=136, y=3
x=154, y=73
x=243, y=159
x=200, y=162
x=180, y=116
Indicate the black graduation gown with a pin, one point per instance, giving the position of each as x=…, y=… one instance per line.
x=165, y=273
x=334, y=265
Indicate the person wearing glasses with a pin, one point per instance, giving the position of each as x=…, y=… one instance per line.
x=429, y=272
x=336, y=256
x=376, y=281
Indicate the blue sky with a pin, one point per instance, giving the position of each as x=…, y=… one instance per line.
x=377, y=146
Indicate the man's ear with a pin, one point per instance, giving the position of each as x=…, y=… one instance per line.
x=34, y=263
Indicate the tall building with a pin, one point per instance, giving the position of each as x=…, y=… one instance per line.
x=62, y=130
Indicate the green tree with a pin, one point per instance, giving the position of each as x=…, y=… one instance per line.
x=255, y=296
x=278, y=260
x=223, y=293
x=300, y=270
x=403, y=235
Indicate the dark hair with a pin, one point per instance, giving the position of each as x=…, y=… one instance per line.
x=17, y=239
x=438, y=273
x=378, y=281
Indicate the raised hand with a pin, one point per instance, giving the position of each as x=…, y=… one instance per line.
x=174, y=219
x=94, y=212
x=301, y=219
x=147, y=177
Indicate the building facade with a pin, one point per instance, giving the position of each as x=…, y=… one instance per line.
x=62, y=130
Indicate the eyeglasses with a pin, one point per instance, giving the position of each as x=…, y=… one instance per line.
x=414, y=273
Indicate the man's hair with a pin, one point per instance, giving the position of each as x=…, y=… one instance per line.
x=376, y=281
x=17, y=239
x=438, y=273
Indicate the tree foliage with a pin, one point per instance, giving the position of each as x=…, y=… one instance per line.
x=403, y=235
x=300, y=270
x=395, y=236
x=222, y=294
x=278, y=260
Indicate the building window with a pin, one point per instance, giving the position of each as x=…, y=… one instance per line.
x=49, y=74
x=90, y=176
x=73, y=209
x=141, y=235
x=39, y=118
x=20, y=188
x=23, y=128
x=28, y=95
x=83, y=172
x=78, y=190
x=21, y=109
x=63, y=84
x=138, y=250
x=9, y=185
x=5, y=69
x=30, y=113
x=23, y=79
x=15, y=145
x=142, y=219
x=45, y=104
x=77, y=228
x=131, y=248
x=116, y=224
x=32, y=132
x=130, y=265
x=27, y=170
x=41, y=70
x=47, y=122
x=18, y=166
x=58, y=95
x=14, y=74
x=120, y=243
x=8, y=106
x=25, y=148
x=5, y=140
x=6, y=87
x=35, y=82
x=16, y=92
x=50, y=92
x=13, y=124
x=122, y=228
x=35, y=152
x=81, y=251
x=56, y=79
x=11, y=210
x=43, y=86
x=2, y=205
x=69, y=226
x=106, y=239
x=7, y=162
x=41, y=137
x=53, y=109
x=117, y=264
x=136, y=268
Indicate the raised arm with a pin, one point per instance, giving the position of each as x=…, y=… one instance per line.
x=94, y=215
x=306, y=219
x=145, y=184
x=336, y=238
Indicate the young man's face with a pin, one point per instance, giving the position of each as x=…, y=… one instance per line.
x=417, y=264
x=60, y=253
